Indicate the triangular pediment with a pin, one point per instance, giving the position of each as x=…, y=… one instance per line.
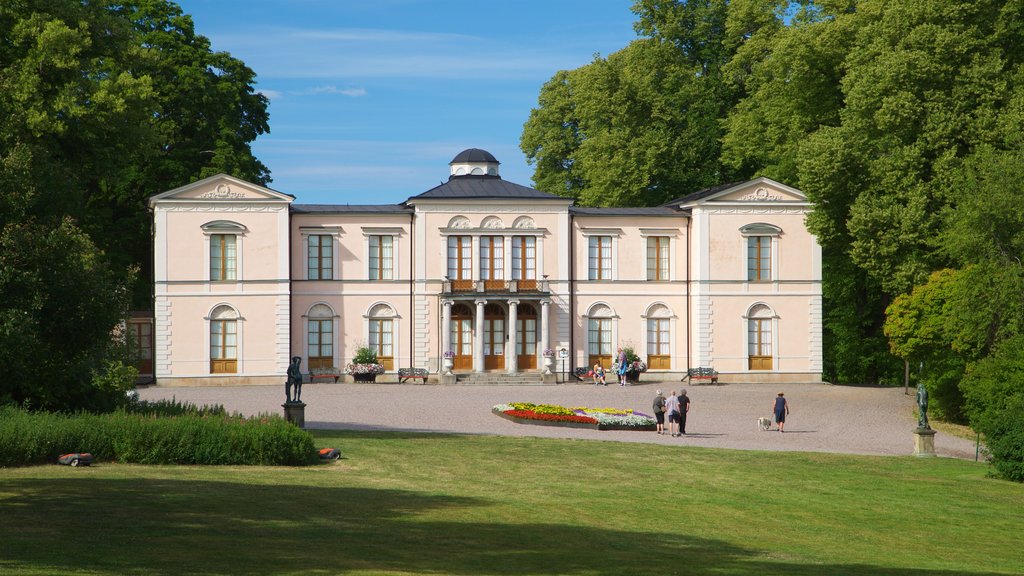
x=763, y=191
x=222, y=188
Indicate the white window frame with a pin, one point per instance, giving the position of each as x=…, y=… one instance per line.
x=335, y=233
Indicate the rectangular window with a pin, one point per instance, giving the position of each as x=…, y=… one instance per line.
x=381, y=257
x=524, y=258
x=759, y=258
x=321, y=344
x=320, y=258
x=492, y=261
x=223, y=257
x=381, y=341
x=657, y=258
x=460, y=258
x=600, y=258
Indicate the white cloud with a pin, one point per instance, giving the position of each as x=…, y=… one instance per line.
x=271, y=94
x=351, y=92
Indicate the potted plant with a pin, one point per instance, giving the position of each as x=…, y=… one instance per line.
x=549, y=358
x=449, y=361
x=636, y=365
x=364, y=366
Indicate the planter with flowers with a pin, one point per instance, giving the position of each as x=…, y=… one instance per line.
x=364, y=366
x=549, y=360
x=448, y=361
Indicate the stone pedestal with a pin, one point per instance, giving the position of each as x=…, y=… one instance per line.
x=924, y=442
x=295, y=412
x=448, y=378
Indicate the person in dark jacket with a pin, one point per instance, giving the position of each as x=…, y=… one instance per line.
x=781, y=410
x=684, y=407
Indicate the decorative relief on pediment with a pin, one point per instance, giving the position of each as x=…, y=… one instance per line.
x=492, y=223
x=459, y=223
x=222, y=191
x=761, y=195
x=524, y=223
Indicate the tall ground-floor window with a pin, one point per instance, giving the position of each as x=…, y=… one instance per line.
x=658, y=344
x=382, y=341
x=320, y=337
x=599, y=342
x=223, y=341
x=759, y=338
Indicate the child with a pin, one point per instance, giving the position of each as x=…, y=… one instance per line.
x=599, y=375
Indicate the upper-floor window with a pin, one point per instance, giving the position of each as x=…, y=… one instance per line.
x=223, y=257
x=759, y=258
x=600, y=258
x=381, y=257
x=760, y=237
x=524, y=258
x=492, y=258
x=320, y=257
x=460, y=258
x=657, y=258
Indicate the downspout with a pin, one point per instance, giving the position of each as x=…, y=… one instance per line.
x=689, y=324
x=412, y=287
x=572, y=293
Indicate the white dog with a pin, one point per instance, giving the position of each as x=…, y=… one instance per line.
x=764, y=423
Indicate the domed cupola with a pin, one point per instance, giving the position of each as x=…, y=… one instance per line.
x=474, y=162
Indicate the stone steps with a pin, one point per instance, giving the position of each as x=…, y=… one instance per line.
x=499, y=379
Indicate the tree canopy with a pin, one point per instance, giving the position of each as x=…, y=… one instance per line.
x=102, y=104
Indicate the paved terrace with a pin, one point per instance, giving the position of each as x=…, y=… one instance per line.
x=823, y=418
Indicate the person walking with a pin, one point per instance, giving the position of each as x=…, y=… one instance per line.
x=781, y=410
x=684, y=408
x=659, y=412
x=672, y=407
x=623, y=367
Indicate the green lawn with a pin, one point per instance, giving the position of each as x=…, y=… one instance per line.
x=478, y=505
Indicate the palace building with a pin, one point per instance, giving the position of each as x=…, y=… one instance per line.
x=480, y=276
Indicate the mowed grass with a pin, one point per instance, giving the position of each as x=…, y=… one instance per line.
x=479, y=505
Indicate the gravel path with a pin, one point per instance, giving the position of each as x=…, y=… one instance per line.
x=823, y=418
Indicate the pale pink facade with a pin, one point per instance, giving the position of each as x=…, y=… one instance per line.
x=493, y=272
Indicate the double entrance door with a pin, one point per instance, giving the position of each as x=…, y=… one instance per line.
x=494, y=337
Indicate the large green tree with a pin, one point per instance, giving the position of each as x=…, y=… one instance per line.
x=102, y=104
x=641, y=126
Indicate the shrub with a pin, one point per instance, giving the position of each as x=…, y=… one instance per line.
x=173, y=407
x=35, y=438
x=365, y=355
x=994, y=393
x=1004, y=434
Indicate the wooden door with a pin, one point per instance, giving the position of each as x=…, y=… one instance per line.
x=526, y=338
x=462, y=338
x=494, y=337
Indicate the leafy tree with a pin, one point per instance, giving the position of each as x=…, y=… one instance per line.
x=994, y=390
x=641, y=126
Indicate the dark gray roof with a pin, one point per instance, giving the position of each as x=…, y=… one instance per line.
x=702, y=193
x=474, y=155
x=360, y=208
x=483, y=187
x=652, y=211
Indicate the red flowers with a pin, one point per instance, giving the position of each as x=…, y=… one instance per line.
x=529, y=415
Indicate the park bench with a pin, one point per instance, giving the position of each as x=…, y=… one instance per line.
x=702, y=375
x=324, y=374
x=581, y=373
x=412, y=373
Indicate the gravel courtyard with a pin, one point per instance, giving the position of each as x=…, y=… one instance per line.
x=823, y=418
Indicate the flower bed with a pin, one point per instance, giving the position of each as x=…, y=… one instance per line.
x=594, y=418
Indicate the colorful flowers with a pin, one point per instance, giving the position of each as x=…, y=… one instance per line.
x=602, y=418
x=548, y=352
x=352, y=368
x=449, y=354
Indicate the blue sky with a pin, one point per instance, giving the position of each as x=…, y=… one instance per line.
x=370, y=99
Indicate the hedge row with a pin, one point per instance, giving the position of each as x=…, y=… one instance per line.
x=39, y=437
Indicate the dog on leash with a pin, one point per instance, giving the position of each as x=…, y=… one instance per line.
x=764, y=424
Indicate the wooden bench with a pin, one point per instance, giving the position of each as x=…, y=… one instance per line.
x=325, y=374
x=412, y=373
x=701, y=374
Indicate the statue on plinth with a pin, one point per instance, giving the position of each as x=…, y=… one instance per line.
x=922, y=408
x=294, y=379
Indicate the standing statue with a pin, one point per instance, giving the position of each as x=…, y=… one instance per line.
x=922, y=408
x=294, y=379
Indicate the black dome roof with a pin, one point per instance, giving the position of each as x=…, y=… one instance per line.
x=474, y=155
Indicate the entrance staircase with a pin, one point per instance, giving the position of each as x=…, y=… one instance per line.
x=499, y=379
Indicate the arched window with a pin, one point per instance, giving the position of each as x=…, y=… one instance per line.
x=320, y=337
x=599, y=335
x=224, y=340
x=381, y=338
x=759, y=337
x=659, y=337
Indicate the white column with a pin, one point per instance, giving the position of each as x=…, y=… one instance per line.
x=545, y=305
x=478, y=338
x=511, y=358
x=446, y=326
